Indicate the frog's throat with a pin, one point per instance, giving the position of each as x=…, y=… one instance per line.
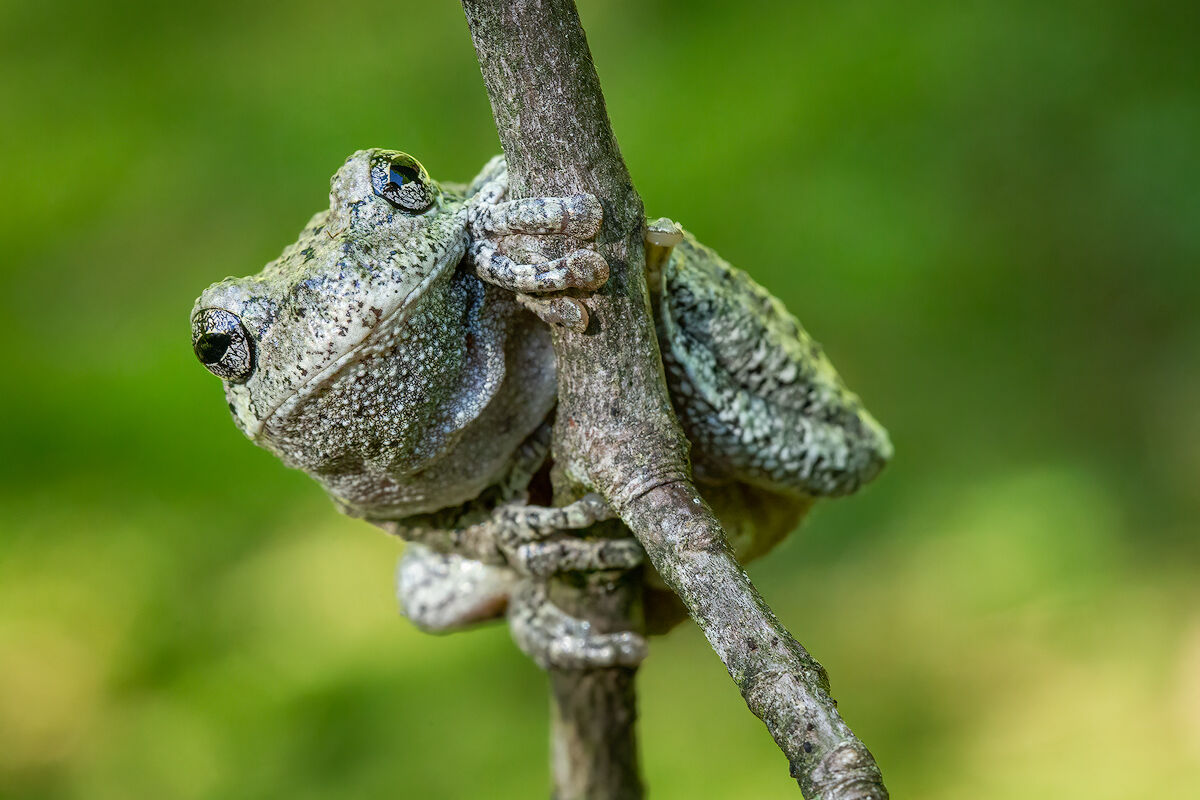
x=288, y=403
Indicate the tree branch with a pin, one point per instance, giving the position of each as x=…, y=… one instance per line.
x=615, y=429
x=594, y=754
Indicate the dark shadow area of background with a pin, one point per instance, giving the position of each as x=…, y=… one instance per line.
x=987, y=211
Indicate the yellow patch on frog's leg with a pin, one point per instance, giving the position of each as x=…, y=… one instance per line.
x=660, y=238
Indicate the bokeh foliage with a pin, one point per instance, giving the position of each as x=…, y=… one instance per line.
x=987, y=211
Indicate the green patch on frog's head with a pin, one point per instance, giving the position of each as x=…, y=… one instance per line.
x=389, y=238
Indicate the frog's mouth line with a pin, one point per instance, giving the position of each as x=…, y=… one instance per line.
x=288, y=403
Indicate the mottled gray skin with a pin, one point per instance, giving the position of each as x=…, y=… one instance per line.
x=401, y=383
x=386, y=362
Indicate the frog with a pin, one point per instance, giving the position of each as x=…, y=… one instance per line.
x=399, y=352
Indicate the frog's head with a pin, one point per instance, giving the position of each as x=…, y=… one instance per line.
x=389, y=238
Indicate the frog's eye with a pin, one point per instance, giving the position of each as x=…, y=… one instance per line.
x=401, y=180
x=222, y=344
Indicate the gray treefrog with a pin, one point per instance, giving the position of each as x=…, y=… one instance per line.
x=394, y=353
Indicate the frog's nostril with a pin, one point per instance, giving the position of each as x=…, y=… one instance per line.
x=210, y=347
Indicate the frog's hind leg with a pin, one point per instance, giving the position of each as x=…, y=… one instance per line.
x=442, y=589
x=444, y=592
x=543, y=631
x=528, y=536
x=757, y=396
x=555, y=639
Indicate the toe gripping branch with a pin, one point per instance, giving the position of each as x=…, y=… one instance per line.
x=556, y=640
x=510, y=239
x=543, y=631
x=528, y=540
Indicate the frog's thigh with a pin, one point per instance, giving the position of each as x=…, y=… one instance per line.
x=445, y=592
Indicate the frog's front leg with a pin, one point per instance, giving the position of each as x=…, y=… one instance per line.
x=510, y=241
x=580, y=269
x=577, y=216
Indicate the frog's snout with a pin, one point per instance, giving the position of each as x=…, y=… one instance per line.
x=222, y=344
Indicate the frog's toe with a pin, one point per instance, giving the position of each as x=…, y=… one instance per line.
x=555, y=639
x=561, y=311
x=580, y=269
x=586, y=269
x=578, y=216
x=543, y=559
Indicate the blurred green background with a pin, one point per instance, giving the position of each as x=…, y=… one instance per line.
x=987, y=211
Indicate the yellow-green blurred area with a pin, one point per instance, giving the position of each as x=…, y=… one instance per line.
x=987, y=210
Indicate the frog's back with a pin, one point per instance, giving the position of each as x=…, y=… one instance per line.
x=757, y=396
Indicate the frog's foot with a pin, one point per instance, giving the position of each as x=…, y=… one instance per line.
x=555, y=639
x=579, y=269
x=511, y=242
x=526, y=539
x=544, y=520
x=444, y=592
x=523, y=534
x=543, y=559
x=577, y=216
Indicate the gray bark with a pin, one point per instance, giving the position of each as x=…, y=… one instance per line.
x=615, y=430
x=593, y=715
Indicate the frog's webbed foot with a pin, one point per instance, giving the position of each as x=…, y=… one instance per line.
x=559, y=310
x=510, y=241
x=580, y=269
x=543, y=631
x=555, y=639
x=450, y=578
x=527, y=536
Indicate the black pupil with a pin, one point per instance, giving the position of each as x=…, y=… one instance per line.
x=210, y=347
x=401, y=174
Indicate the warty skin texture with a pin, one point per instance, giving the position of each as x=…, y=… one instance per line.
x=400, y=383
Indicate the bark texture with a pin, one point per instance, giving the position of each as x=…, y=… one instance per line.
x=593, y=714
x=616, y=432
